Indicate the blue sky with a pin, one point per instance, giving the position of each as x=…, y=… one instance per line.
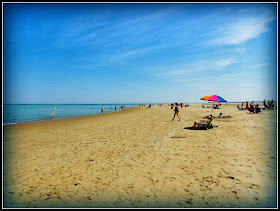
x=139, y=53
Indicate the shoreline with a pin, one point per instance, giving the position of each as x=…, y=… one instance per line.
x=140, y=158
x=70, y=117
x=54, y=119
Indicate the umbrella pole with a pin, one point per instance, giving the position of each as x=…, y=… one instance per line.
x=212, y=107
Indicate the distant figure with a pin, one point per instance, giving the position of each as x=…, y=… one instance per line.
x=52, y=114
x=269, y=104
x=242, y=105
x=272, y=104
x=252, y=107
x=150, y=106
x=257, y=109
x=265, y=105
x=220, y=115
x=115, y=108
x=247, y=106
x=176, y=111
x=102, y=110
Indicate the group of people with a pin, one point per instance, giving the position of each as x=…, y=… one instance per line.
x=177, y=104
x=269, y=105
x=217, y=106
x=120, y=108
x=255, y=107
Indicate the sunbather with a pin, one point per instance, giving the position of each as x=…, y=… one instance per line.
x=257, y=109
x=207, y=123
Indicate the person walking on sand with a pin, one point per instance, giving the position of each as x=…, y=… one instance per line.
x=176, y=111
x=102, y=109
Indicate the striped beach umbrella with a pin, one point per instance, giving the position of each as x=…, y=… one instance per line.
x=213, y=98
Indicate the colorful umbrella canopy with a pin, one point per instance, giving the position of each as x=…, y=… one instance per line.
x=213, y=98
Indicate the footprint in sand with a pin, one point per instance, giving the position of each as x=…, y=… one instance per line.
x=253, y=186
x=235, y=194
x=248, y=175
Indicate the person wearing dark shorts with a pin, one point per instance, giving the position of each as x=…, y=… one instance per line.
x=176, y=111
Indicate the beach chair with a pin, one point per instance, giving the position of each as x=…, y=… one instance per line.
x=205, y=126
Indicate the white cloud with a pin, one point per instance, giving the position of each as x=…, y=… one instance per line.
x=259, y=65
x=241, y=31
x=239, y=50
x=195, y=67
x=223, y=63
x=139, y=51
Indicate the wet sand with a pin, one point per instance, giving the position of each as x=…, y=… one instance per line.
x=140, y=158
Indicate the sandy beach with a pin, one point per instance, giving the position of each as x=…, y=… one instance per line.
x=140, y=158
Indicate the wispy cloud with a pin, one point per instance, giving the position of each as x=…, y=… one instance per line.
x=138, y=52
x=241, y=31
x=259, y=65
x=195, y=67
x=132, y=24
x=239, y=50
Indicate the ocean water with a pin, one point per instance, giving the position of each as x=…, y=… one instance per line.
x=22, y=113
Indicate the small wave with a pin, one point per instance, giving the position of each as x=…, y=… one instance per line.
x=9, y=123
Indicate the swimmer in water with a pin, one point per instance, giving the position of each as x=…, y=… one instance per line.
x=52, y=114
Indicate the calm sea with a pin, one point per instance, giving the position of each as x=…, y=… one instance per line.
x=21, y=113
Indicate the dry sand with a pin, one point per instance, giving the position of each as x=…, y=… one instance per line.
x=140, y=158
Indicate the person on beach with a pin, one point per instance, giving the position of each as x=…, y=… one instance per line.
x=265, y=105
x=205, y=120
x=176, y=111
x=102, y=110
x=247, y=106
x=252, y=108
x=257, y=109
x=115, y=108
x=269, y=104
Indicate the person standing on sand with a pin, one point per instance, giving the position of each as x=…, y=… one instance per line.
x=176, y=111
x=102, y=109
